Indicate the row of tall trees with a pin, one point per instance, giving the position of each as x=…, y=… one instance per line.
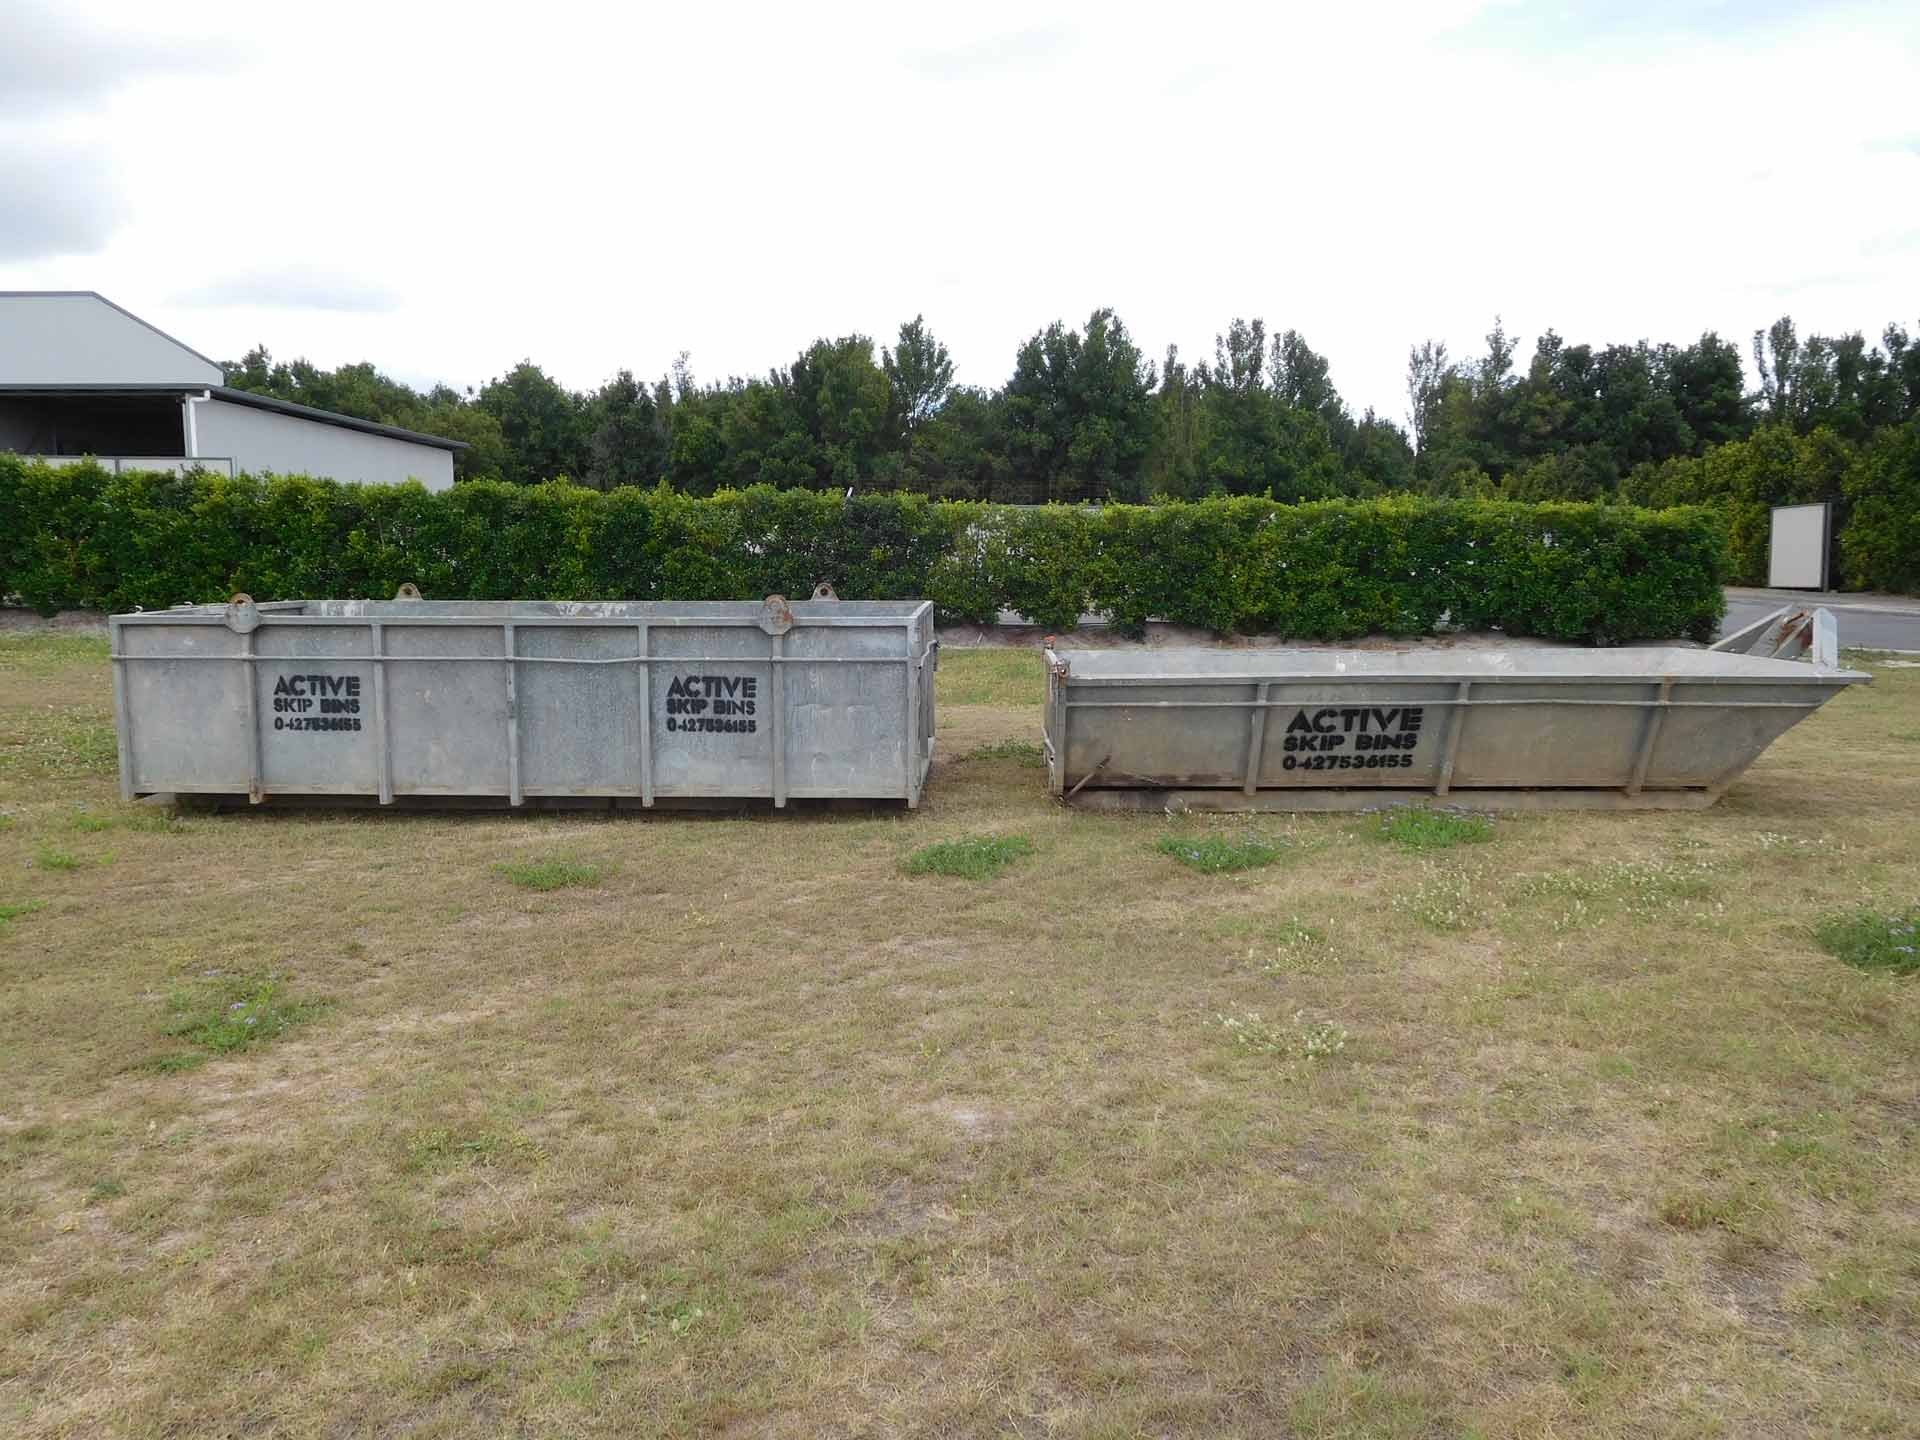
x=1579, y=420
x=1086, y=415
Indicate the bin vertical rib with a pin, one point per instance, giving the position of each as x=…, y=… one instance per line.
x=510, y=647
x=1455, y=724
x=1256, y=737
x=1650, y=735
x=646, y=715
x=122, y=706
x=383, y=742
x=777, y=648
x=254, y=792
x=910, y=742
x=1055, y=729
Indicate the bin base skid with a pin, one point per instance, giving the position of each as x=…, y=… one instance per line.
x=498, y=804
x=1229, y=801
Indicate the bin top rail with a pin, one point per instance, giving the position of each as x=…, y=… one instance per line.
x=664, y=613
x=1526, y=664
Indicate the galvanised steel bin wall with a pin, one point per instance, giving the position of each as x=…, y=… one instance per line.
x=1325, y=730
x=522, y=700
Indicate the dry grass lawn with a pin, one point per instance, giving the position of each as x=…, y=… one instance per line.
x=383, y=1125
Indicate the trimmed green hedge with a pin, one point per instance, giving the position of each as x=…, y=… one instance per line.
x=78, y=537
x=1874, y=486
x=1880, y=538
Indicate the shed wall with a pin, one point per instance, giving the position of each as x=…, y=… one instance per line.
x=262, y=441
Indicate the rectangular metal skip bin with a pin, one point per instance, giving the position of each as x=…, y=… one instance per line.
x=1665, y=728
x=523, y=700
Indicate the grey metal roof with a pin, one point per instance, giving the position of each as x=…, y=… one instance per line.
x=224, y=392
x=245, y=397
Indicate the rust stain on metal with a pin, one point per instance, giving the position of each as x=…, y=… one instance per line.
x=1798, y=629
x=776, y=615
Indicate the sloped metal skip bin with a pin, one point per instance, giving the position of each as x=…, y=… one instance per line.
x=522, y=700
x=1664, y=728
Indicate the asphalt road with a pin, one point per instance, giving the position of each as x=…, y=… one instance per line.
x=1862, y=626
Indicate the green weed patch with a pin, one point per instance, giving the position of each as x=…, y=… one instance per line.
x=1870, y=941
x=555, y=874
x=1217, y=855
x=1418, y=828
x=229, y=1014
x=981, y=857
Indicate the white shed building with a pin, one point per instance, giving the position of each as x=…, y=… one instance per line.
x=81, y=377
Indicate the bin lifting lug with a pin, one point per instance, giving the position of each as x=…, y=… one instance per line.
x=776, y=615
x=243, y=616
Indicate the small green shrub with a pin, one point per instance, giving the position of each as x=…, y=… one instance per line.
x=47, y=858
x=1870, y=941
x=1418, y=828
x=13, y=910
x=979, y=857
x=233, y=1013
x=1216, y=855
x=555, y=874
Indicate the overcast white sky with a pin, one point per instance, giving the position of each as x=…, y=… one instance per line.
x=444, y=189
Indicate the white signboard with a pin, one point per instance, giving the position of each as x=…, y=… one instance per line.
x=1798, y=558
